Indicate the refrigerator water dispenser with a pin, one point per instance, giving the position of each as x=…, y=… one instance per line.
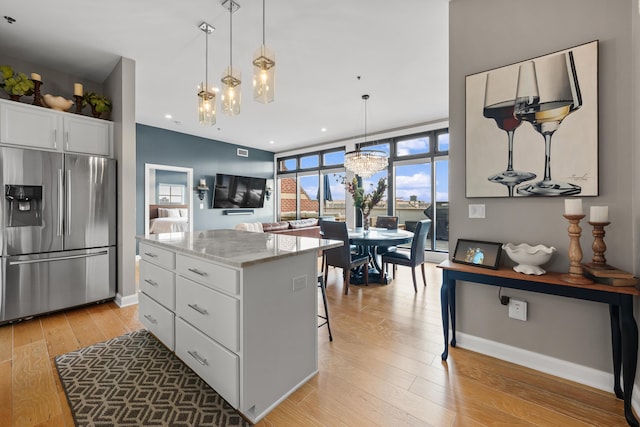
x=24, y=205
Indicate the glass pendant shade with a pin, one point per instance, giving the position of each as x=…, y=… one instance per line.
x=264, y=62
x=231, y=96
x=365, y=163
x=206, y=106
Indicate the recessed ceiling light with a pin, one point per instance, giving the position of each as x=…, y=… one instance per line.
x=323, y=130
x=168, y=116
x=272, y=142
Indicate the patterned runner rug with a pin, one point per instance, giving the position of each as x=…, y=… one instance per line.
x=133, y=380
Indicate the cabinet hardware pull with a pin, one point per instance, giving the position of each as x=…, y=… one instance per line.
x=151, y=282
x=150, y=318
x=198, y=309
x=198, y=272
x=150, y=254
x=200, y=360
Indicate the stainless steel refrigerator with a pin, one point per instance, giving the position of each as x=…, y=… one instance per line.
x=58, y=236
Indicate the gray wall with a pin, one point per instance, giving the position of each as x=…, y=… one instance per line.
x=54, y=82
x=206, y=157
x=492, y=33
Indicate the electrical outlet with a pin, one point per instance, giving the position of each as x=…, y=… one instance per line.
x=299, y=283
x=518, y=309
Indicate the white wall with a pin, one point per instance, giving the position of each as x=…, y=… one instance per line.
x=489, y=34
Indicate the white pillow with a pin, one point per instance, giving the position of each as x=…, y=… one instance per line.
x=256, y=227
x=164, y=212
x=184, y=212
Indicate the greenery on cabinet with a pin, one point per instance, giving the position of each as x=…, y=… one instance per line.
x=15, y=83
x=99, y=103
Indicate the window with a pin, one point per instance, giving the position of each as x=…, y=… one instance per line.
x=312, y=184
x=171, y=194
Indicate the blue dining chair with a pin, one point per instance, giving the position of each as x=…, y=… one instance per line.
x=342, y=257
x=390, y=223
x=415, y=257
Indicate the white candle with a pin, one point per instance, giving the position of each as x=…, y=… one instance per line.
x=203, y=182
x=573, y=206
x=36, y=77
x=77, y=89
x=599, y=214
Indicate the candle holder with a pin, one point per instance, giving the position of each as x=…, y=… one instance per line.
x=79, y=106
x=599, y=247
x=576, y=273
x=37, y=98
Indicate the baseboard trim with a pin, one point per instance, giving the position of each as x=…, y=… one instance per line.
x=124, y=301
x=540, y=362
x=549, y=365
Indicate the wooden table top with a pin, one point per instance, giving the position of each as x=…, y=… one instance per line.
x=551, y=277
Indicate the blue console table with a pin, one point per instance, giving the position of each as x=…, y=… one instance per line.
x=624, y=330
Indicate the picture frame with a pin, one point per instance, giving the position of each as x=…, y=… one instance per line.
x=478, y=253
x=509, y=111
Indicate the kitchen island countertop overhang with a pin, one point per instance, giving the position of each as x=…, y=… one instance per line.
x=237, y=248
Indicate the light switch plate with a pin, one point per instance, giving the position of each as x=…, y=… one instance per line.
x=476, y=211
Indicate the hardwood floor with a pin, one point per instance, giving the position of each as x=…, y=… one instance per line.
x=383, y=368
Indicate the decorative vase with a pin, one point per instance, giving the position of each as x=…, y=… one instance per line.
x=365, y=222
x=95, y=113
x=15, y=97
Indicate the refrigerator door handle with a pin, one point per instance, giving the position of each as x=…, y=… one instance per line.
x=68, y=212
x=62, y=258
x=60, y=202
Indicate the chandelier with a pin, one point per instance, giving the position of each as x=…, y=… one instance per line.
x=206, y=95
x=365, y=163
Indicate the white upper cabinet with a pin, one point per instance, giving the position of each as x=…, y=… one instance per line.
x=22, y=124
x=87, y=135
x=31, y=126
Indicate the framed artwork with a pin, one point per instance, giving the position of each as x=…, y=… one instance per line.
x=532, y=127
x=478, y=253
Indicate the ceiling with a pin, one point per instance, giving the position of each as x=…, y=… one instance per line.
x=398, y=49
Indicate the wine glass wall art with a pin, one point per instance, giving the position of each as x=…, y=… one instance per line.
x=532, y=127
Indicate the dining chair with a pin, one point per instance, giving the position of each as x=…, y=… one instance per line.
x=342, y=257
x=415, y=257
x=390, y=223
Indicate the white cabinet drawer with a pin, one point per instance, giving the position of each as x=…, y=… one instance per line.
x=159, y=256
x=214, y=313
x=158, y=283
x=212, y=362
x=212, y=275
x=157, y=319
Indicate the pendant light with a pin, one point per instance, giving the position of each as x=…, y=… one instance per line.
x=264, y=62
x=231, y=81
x=206, y=95
x=365, y=163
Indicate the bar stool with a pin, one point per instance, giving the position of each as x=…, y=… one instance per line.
x=322, y=287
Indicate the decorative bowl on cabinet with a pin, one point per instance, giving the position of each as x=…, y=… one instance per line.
x=57, y=103
x=529, y=258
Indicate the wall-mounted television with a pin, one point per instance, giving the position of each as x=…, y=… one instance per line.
x=233, y=191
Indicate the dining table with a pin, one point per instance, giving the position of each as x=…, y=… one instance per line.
x=369, y=242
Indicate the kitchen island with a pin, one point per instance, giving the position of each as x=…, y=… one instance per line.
x=239, y=308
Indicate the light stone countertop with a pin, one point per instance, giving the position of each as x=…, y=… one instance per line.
x=237, y=248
